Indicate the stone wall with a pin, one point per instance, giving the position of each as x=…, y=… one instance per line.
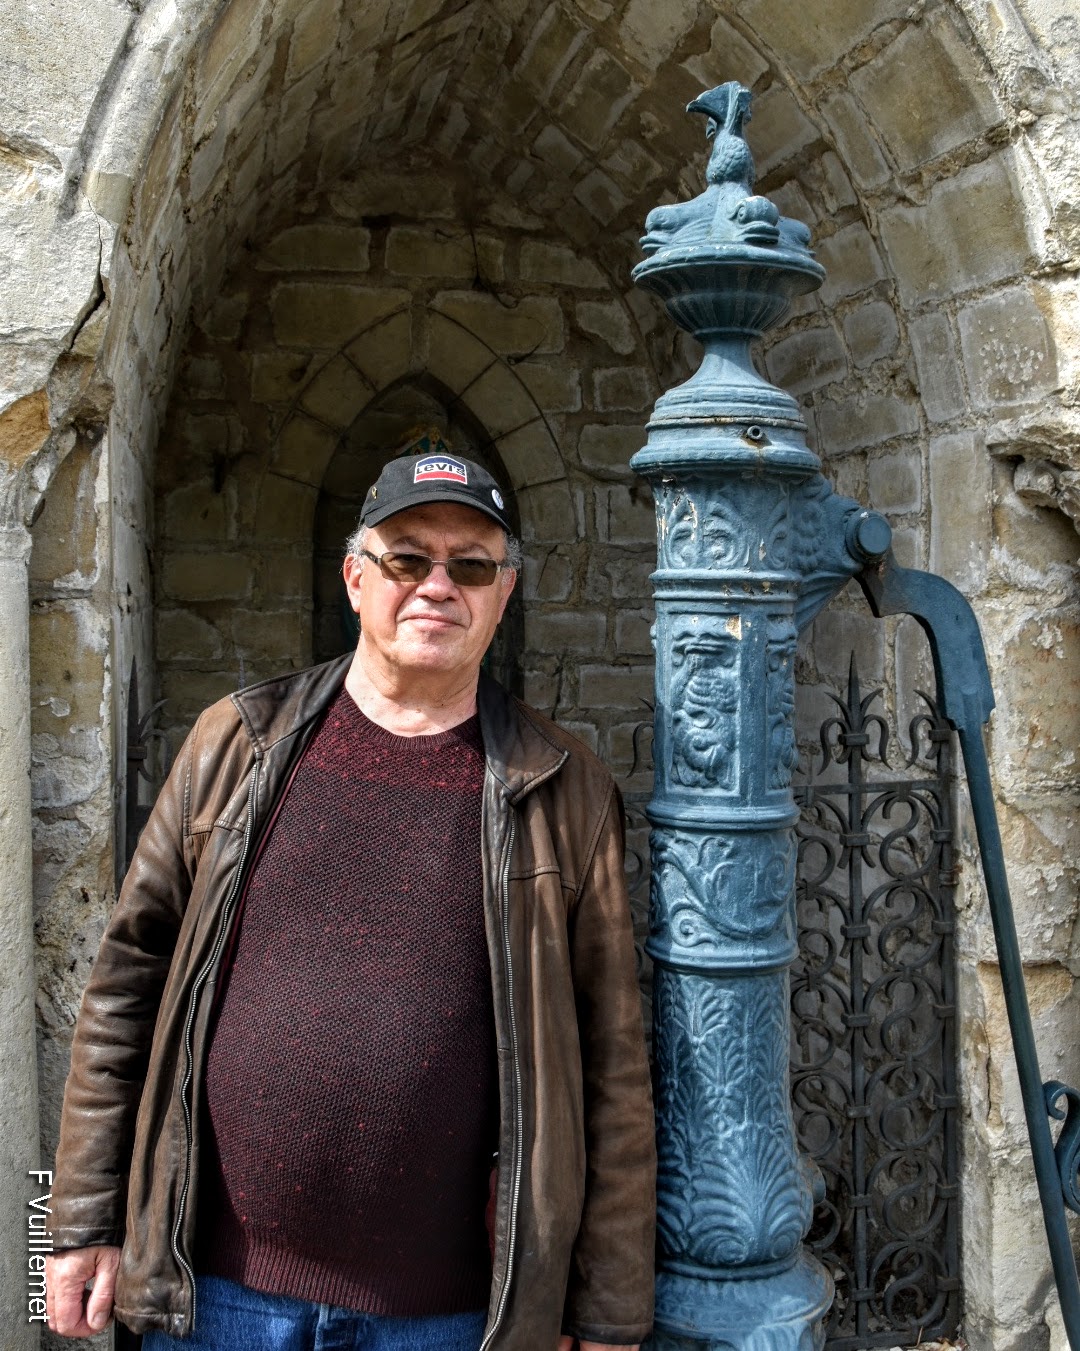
x=255, y=193
x=509, y=326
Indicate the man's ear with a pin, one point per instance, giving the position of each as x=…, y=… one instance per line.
x=352, y=569
x=509, y=580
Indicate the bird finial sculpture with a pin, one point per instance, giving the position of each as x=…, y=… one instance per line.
x=728, y=213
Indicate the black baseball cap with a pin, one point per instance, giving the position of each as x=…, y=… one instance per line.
x=429, y=471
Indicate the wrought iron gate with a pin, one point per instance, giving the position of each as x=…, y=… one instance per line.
x=873, y=1004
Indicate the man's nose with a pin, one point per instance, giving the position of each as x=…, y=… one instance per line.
x=437, y=583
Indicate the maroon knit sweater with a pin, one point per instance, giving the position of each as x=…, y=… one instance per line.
x=351, y=1098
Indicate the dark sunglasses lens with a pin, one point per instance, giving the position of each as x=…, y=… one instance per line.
x=405, y=567
x=472, y=571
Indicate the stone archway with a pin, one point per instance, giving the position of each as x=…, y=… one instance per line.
x=931, y=149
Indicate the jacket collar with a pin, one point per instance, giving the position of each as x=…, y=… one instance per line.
x=519, y=752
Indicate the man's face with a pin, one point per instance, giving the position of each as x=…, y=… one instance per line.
x=429, y=626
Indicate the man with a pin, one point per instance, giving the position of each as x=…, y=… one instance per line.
x=375, y=932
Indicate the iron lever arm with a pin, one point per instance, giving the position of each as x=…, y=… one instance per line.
x=966, y=700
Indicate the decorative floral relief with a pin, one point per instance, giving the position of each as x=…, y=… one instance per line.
x=710, y=890
x=699, y=530
x=730, y=1191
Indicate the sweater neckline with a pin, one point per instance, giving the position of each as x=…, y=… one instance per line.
x=467, y=730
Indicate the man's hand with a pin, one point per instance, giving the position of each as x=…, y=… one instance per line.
x=73, y=1310
x=569, y=1344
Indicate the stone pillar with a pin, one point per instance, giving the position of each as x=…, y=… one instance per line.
x=19, y=1143
x=751, y=543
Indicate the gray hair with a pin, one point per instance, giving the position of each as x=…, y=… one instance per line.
x=357, y=542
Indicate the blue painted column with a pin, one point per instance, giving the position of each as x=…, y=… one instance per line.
x=751, y=543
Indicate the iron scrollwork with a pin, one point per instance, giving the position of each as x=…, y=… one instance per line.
x=873, y=1014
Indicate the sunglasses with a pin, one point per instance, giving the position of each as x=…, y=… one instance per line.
x=415, y=567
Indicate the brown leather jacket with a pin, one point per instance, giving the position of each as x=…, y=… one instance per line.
x=575, y=1198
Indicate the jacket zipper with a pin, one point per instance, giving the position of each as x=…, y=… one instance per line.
x=199, y=982
x=518, y=1144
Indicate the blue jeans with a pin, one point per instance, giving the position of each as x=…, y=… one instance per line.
x=230, y=1317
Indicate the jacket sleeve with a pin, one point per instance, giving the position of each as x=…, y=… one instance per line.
x=610, y=1291
x=115, y=1026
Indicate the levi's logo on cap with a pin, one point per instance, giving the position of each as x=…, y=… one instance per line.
x=440, y=467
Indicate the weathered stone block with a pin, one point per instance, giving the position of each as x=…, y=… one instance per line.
x=24, y=428
x=871, y=332
x=558, y=265
x=632, y=166
x=183, y=635
x=781, y=129
x=548, y=576
x=499, y=400
x=383, y=353
x=284, y=511
x=548, y=514
x=615, y=687
x=565, y=631
x=851, y=261
x=206, y=161
x=651, y=32
x=555, y=41
x=632, y=631
x=278, y=377
x=384, y=192
x=206, y=576
x=314, y=36
x=65, y=533
x=556, y=149
x=541, y=690
x=628, y=752
x=972, y=231
x=304, y=449
x=1038, y=721
x=199, y=515
x=530, y=455
x=925, y=92
x=864, y=419
x=807, y=359
x=855, y=141
x=622, y=574
x=959, y=509
x=319, y=246
x=728, y=56
x=814, y=39
x=1038, y=545
x=532, y=324
x=601, y=196
x=625, y=515
x=940, y=383
x=310, y=314
x=1008, y=350
x=337, y=394
x=275, y=639
x=895, y=482
x=555, y=385
x=187, y=692
x=908, y=548
x=431, y=253
x=629, y=388
x=603, y=445
x=837, y=634
x=599, y=97
x=608, y=321
x=230, y=45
